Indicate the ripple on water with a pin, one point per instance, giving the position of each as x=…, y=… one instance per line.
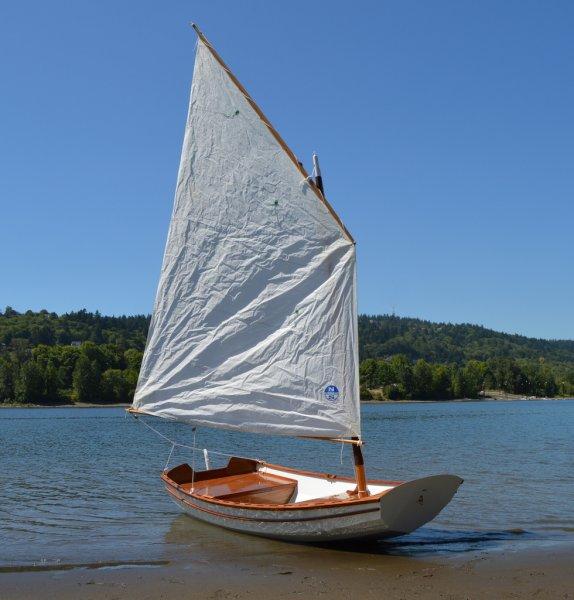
x=82, y=485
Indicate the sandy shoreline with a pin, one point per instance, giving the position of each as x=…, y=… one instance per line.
x=329, y=573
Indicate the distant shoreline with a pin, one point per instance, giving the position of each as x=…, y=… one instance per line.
x=496, y=398
x=73, y=405
x=464, y=400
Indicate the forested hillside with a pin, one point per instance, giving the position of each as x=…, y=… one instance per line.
x=384, y=335
x=404, y=358
x=33, y=328
x=75, y=357
x=86, y=357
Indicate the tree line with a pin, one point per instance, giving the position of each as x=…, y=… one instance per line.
x=63, y=374
x=86, y=357
x=31, y=329
x=398, y=378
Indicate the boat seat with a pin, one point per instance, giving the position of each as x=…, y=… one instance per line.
x=248, y=488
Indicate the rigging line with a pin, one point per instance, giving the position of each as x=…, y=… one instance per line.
x=175, y=444
x=193, y=462
x=169, y=457
x=179, y=445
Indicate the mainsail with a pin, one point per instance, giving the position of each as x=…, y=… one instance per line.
x=254, y=326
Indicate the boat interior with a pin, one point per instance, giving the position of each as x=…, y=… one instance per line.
x=247, y=481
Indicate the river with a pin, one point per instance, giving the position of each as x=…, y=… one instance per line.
x=81, y=485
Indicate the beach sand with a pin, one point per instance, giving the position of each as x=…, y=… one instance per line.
x=324, y=573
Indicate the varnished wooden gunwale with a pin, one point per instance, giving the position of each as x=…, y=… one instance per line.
x=320, y=503
x=259, y=519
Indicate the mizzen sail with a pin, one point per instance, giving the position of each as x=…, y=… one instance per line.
x=254, y=326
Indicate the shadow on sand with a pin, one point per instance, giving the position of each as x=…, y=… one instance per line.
x=432, y=541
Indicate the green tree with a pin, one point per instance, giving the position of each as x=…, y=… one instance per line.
x=386, y=373
x=131, y=379
x=368, y=373
x=114, y=386
x=403, y=373
x=474, y=374
x=545, y=383
x=441, y=383
x=133, y=359
x=30, y=384
x=7, y=379
x=51, y=382
x=422, y=380
x=365, y=394
x=42, y=334
x=86, y=379
x=394, y=391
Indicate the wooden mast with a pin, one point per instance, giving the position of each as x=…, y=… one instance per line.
x=360, y=475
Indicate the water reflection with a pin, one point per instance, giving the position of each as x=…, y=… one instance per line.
x=203, y=542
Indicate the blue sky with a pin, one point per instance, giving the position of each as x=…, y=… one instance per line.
x=445, y=132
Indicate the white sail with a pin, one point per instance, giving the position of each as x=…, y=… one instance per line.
x=254, y=326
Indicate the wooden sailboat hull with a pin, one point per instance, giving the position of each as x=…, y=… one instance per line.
x=391, y=509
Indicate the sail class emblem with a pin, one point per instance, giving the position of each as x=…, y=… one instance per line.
x=331, y=393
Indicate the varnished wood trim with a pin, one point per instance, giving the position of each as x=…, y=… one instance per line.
x=319, y=503
x=354, y=441
x=360, y=475
x=264, y=520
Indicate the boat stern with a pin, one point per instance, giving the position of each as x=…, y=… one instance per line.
x=414, y=503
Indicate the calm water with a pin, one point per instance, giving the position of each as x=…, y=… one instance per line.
x=80, y=486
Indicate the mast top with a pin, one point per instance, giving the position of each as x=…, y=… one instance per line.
x=197, y=30
x=299, y=166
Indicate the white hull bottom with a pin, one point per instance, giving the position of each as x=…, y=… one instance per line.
x=396, y=510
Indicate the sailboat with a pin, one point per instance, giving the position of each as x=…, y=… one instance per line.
x=254, y=329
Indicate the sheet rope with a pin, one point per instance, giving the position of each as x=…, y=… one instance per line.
x=193, y=447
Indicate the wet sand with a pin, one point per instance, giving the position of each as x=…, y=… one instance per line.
x=301, y=573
